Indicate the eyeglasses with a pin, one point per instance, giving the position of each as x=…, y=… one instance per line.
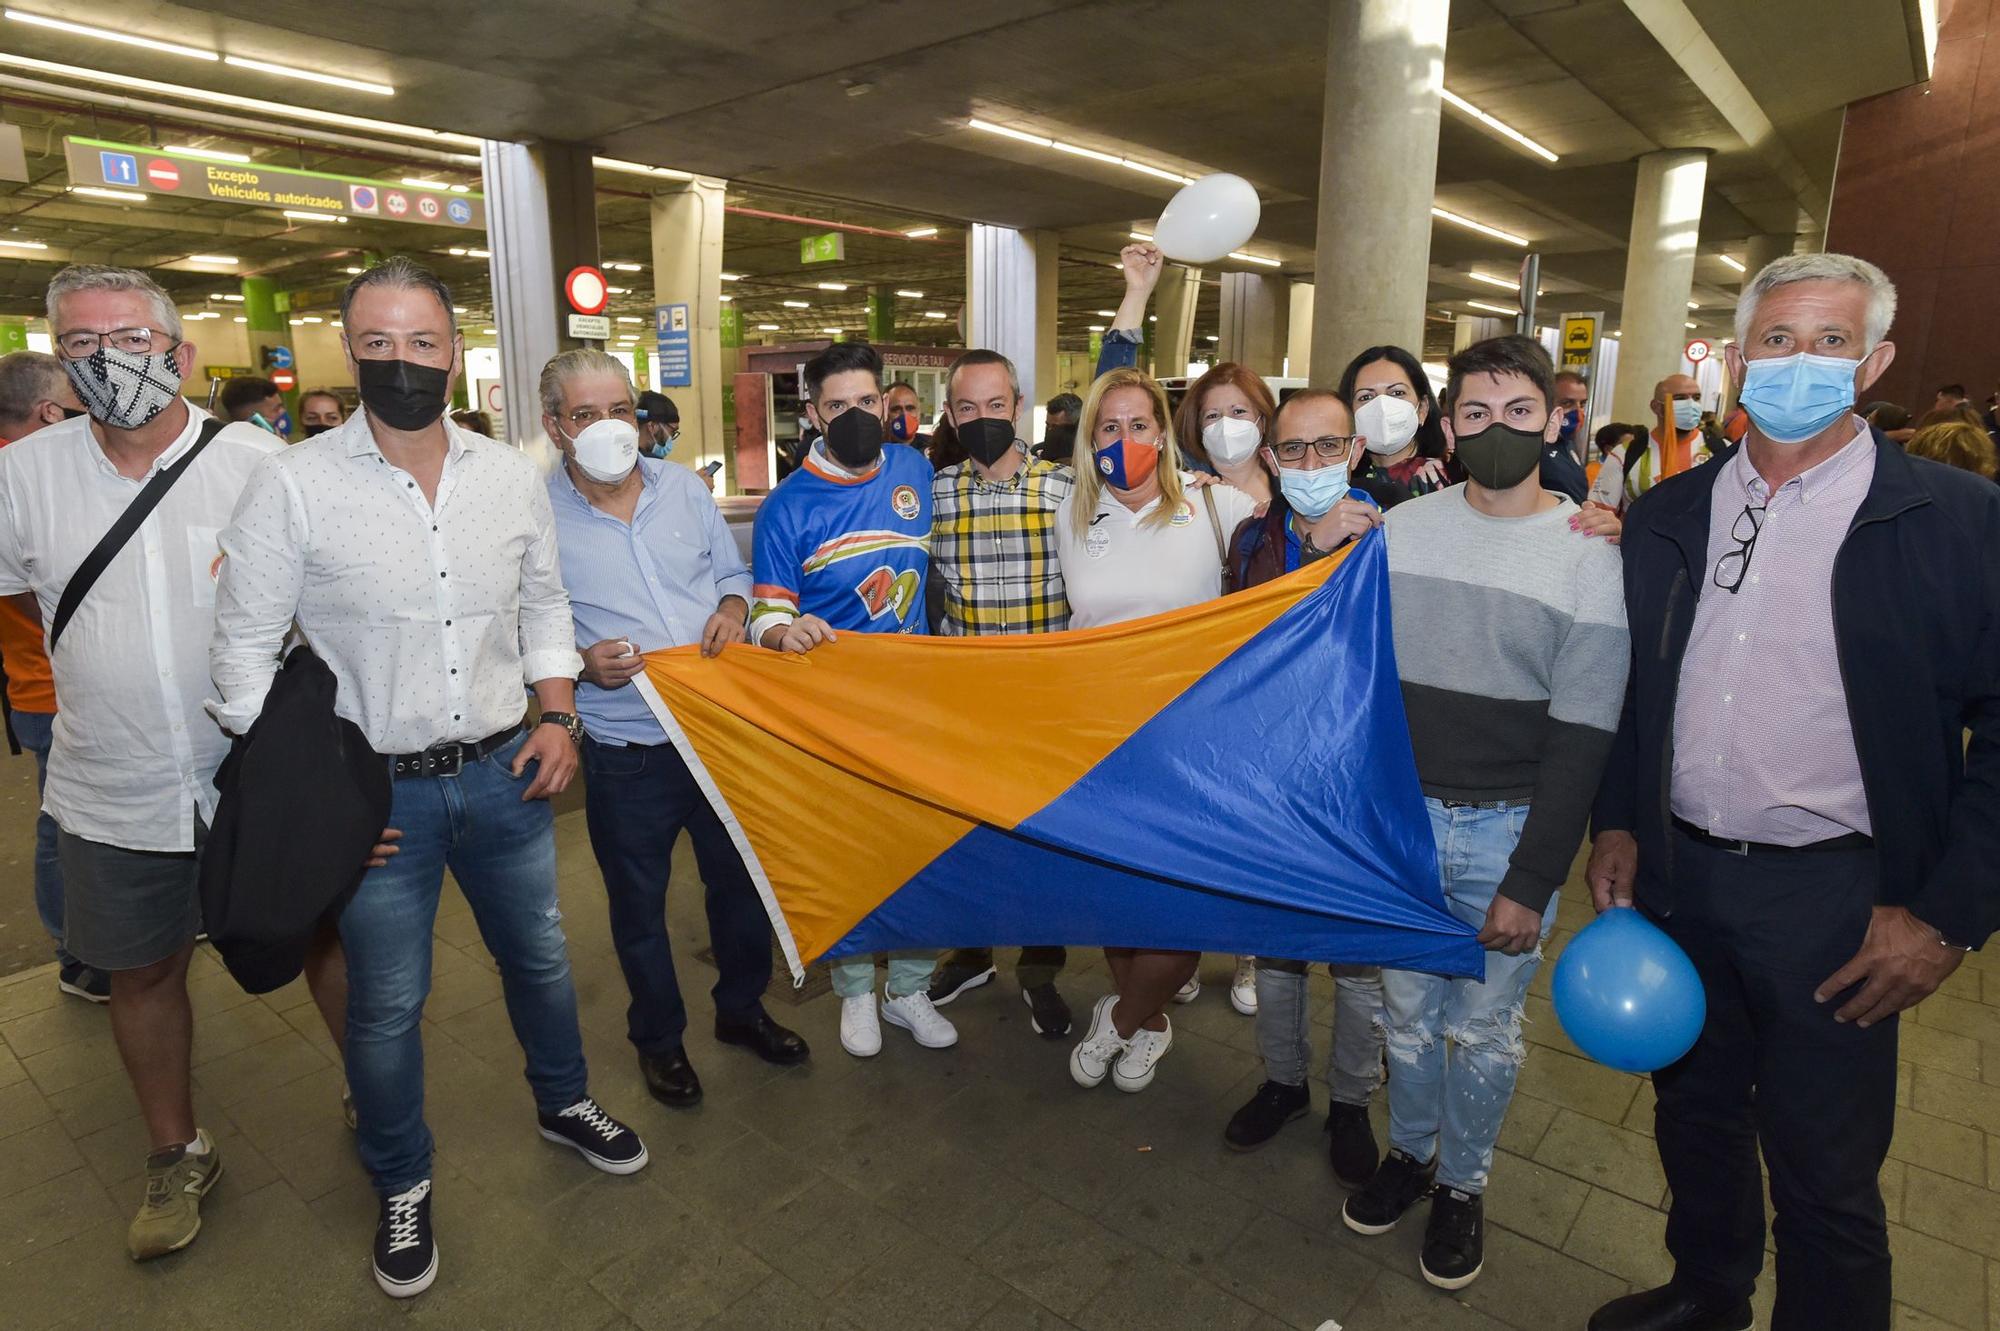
x=1729, y=569
x=583, y=416
x=1327, y=446
x=137, y=341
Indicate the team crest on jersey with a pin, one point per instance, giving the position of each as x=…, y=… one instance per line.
x=887, y=592
x=1182, y=515
x=904, y=500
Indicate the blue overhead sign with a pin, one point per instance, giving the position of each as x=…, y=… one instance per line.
x=676, y=355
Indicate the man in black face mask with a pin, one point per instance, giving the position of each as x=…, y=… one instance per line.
x=993, y=545
x=420, y=562
x=1509, y=623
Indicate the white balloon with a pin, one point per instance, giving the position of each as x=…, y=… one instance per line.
x=1208, y=218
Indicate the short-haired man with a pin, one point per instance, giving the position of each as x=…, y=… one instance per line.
x=843, y=545
x=1635, y=470
x=1793, y=798
x=1572, y=401
x=133, y=756
x=659, y=424
x=320, y=410
x=904, y=413
x=1949, y=397
x=993, y=544
x=253, y=401
x=650, y=563
x=1510, y=640
x=1059, y=428
x=419, y=562
x=35, y=393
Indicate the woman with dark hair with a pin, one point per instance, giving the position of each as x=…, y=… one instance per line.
x=1221, y=425
x=1396, y=413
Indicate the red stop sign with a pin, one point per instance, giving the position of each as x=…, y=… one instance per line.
x=162, y=174
x=285, y=380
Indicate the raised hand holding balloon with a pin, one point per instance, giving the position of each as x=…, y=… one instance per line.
x=1627, y=995
x=1208, y=218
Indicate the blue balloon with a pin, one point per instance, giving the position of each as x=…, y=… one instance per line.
x=1627, y=995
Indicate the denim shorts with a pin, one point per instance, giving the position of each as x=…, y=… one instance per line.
x=123, y=909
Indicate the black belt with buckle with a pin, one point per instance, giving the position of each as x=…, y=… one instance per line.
x=1851, y=841
x=450, y=759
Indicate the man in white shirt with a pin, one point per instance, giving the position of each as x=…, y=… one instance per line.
x=133, y=758
x=419, y=562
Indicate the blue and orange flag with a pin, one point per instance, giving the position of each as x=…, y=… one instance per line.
x=1233, y=777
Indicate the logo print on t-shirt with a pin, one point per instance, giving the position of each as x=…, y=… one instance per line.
x=1097, y=542
x=904, y=500
x=886, y=591
x=1182, y=515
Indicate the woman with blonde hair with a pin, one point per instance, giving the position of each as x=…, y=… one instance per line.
x=1134, y=538
x=1956, y=444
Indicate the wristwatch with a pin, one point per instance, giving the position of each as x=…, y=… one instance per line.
x=569, y=721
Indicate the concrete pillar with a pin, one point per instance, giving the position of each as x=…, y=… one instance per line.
x=1299, y=332
x=1377, y=177
x=1001, y=300
x=687, y=270
x=1256, y=318
x=1174, y=301
x=1048, y=259
x=541, y=221
x=1760, y=251
x=1659, y=275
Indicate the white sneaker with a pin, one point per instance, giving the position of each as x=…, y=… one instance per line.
x=860, y=1032
x=1190, y=991
x=1090, y=1061
x=1243, y=989
x=1143, y=1052
x=916, y=1014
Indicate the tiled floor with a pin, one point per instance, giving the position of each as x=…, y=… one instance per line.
x=975, y=1187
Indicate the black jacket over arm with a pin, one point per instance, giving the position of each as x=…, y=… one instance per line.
x=1916, y=613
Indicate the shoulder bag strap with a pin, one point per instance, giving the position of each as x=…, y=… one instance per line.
x=1215, y=525
x=113, y=541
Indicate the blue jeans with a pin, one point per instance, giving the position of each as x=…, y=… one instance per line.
x=1284, y=1028
x=637, y=798
x=1455, y=1044
x=502, y=851
x=35, y=730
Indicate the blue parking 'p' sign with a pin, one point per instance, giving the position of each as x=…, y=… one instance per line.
x=119, y=168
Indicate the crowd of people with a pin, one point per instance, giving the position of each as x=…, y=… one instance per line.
x=1639, y=656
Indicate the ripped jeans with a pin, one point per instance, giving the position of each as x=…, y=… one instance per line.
x=1455, y=1044
x=502, y=852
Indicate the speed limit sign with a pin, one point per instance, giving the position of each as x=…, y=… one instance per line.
x=1698, y=351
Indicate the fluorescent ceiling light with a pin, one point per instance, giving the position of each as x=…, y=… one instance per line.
x=99, y=192
x=1690, y=325
x=107, y=35
x=1618, y=332
x=626, y=267
x=464, y=253
x=302, y=215
x=1241, y=257
x=618, y=291
x=490, y=332
x=338, y=324
x=1138, y=236
x=936, y=314
x=1211, y=338
x=630, y=319
x=921, y=232
x=798, y=304
x=127, y=83
x=214, y=154
x=310, y=75
x=354, y=271
x=1497, y=125
x=418, y=182
x=1107, y=314
x=987, y=126
x=834, y=331
x=911, y=295
x=211, y=258
x=1506, y=282
x=767, y=328
x=1096, y=328
x=1489, y=308
x=1092, y=153
x=239, y=299
x=725, y=299
x=312, y=319
x=296, y=322
x=1481, y=227
x=1693, y=306
x=1732, y=263
x=832, y=286
x=1077, y=150
x=732, y=277
x=240, y=319
x=641, y=169
x=459, y=189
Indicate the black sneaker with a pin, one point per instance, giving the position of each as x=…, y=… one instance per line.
x=1350, y=1144
x=1455, y=1239
x=597, y=1137
x=406, y=1255
x=1047, y=1012
x=85, y=982
x=1274, y=1105
x=955, y=977
x=1397, y=1186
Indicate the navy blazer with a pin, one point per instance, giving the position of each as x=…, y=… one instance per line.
x=1916, y=613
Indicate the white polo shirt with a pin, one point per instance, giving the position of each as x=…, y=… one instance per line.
x=1123, y=570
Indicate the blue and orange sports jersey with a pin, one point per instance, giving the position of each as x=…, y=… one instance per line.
x=852, y=551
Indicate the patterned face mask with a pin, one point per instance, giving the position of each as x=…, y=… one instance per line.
x=124, y=390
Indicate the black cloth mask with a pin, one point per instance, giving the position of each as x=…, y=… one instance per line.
x=1500, y=457
x=986, y=438
x=402, y=394
x=854, y=437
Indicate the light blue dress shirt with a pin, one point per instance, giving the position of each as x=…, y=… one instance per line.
x=654, y=582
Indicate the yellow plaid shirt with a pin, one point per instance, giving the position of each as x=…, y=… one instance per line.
x=993, y=544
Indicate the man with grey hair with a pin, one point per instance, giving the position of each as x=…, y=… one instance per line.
x=1794, y=801
x=133, y=757
x=993, y=545
x=649, y=563
x=419, y=562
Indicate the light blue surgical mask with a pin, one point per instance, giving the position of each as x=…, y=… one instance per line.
x=1792, y=398
x=1687, y=414
x=1311, y=493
